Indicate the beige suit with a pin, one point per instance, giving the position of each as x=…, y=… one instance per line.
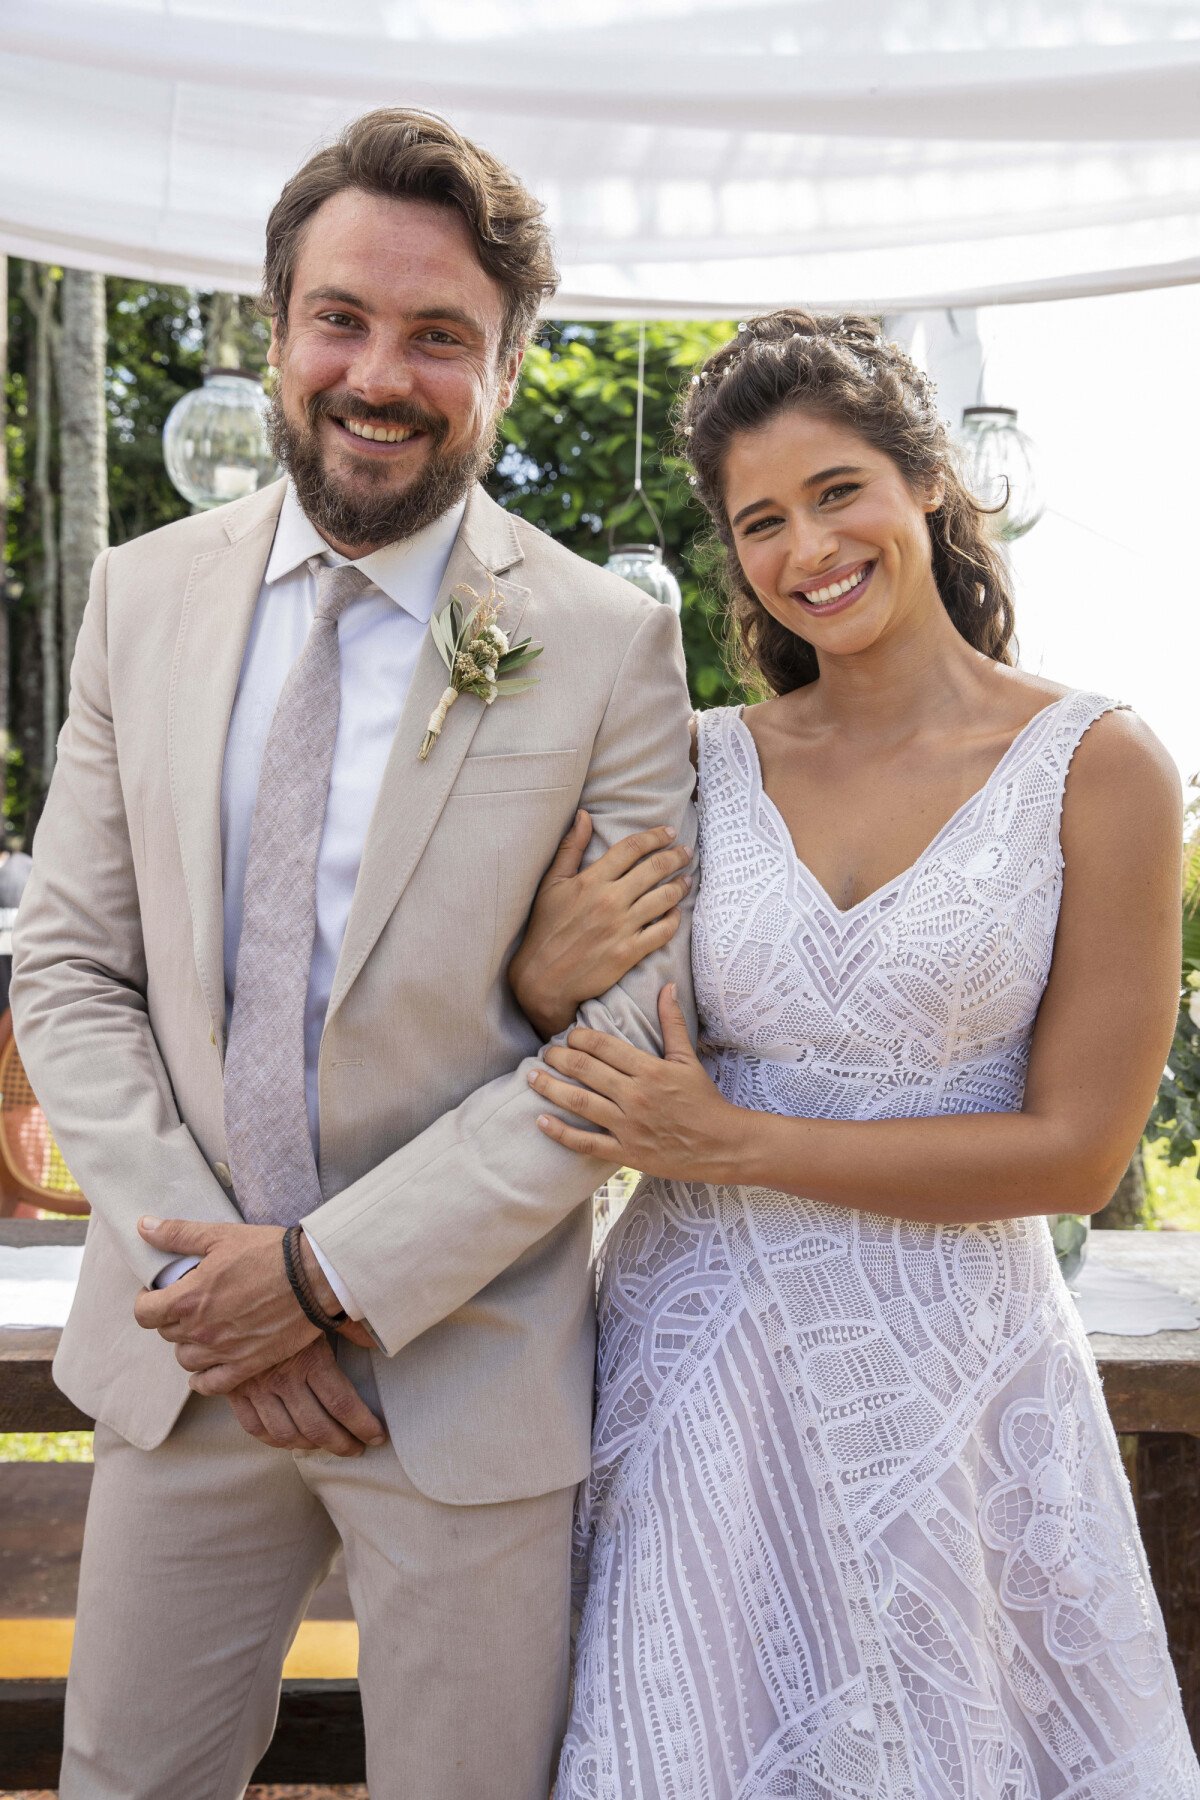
x=459, y=1228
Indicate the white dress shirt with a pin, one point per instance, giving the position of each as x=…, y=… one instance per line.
x=379, y=638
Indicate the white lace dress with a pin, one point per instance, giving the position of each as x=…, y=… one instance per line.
x=858, y=1525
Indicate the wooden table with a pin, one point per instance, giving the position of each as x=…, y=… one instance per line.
x=1152, y=1386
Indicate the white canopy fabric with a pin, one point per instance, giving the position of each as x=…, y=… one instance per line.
x=696, y=157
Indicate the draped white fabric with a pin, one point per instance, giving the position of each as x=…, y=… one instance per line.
x=697, y=157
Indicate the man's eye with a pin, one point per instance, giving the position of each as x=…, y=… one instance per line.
x=440, y=337
x=338, y=318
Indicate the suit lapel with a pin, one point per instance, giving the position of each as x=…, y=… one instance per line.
x=218, y=608
x=413, y=793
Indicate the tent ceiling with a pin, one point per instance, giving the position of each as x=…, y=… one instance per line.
x=695, y=156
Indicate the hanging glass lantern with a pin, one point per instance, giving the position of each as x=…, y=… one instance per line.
x=644, y=564
x=215, y=441
x=998, y=468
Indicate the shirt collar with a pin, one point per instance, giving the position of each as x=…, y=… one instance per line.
x=409, y=571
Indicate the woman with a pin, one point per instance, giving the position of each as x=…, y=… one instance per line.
x=857, y=1524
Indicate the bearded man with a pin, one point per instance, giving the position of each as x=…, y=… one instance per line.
x=336, y=1287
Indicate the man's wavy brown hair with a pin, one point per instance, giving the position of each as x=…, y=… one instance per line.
x=405, y=154
x=843, y=370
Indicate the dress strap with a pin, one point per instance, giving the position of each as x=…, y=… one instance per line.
x=1074, y=716
x=1029, y=783
x=712, y=747
x=721, y=798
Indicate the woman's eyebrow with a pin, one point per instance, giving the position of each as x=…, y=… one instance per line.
x=812, y=481
x=828, y=474
x=754, y=506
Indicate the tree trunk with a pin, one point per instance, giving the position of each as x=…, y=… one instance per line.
x=4, y=650
x=83, y=455
x=1126, y=1210
x=40, y=294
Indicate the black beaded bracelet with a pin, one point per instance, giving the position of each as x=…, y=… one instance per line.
x=293, y=1267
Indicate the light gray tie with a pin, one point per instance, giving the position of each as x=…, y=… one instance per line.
x=266, y=1118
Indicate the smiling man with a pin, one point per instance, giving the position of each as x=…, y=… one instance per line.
x=337, y=1287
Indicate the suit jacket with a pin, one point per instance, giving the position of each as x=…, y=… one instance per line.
x=461, y=1230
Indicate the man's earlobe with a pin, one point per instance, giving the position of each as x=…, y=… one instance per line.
x=273, y=346
x=508, y=381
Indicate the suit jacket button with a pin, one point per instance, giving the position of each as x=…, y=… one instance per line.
x=221, y=1171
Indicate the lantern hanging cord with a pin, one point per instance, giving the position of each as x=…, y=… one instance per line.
x=641, y=397
x=638, y=492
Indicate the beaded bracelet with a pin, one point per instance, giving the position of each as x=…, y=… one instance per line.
x=293, y=1267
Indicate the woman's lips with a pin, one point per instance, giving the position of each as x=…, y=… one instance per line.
x=827, y=610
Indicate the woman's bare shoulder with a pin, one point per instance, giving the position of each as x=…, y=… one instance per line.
x=1119, y=746
x=1123, y=787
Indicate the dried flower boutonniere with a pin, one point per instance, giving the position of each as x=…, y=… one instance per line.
x=478, y=656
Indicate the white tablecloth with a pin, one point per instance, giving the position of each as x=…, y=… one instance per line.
x=37, y=1284
x=1120, y=1304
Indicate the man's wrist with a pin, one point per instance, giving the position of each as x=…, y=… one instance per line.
x=297, y=1280
x=314, y=1274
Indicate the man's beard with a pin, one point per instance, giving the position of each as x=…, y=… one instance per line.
x=357, y=515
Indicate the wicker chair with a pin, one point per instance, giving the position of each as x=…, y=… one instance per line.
x=33, y=1176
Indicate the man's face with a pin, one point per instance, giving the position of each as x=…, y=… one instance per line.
x=390, y=373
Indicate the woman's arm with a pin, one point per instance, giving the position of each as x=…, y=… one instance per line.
x=1099, y=1046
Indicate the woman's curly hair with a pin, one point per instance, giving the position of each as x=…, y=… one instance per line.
x=843, y=370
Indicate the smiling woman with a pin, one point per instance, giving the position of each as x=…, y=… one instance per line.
x=836, y=369
x=857, y=1519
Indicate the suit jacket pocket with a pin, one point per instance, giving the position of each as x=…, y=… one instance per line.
x=526, y=771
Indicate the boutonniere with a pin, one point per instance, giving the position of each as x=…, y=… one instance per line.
x=478, y=655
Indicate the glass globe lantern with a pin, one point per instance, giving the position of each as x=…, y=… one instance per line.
x=215, y=441
x=998, y=464
x=643, y=565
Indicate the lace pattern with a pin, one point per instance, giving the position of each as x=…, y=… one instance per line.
x=857, y=1527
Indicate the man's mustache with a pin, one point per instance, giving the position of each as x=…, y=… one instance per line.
x=400, y=413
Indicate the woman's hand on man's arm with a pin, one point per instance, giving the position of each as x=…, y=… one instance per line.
x=589, y=927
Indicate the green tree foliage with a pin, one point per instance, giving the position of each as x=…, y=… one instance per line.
x=155, y=354
x=568, y=462
x=159, y=339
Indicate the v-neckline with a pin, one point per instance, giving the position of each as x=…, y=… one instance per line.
x=894, y=881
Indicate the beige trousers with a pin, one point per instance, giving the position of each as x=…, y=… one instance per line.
x=199, y=1560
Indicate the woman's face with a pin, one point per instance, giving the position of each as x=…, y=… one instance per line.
x=829, y=534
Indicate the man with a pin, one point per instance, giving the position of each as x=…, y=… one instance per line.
x=260, y=990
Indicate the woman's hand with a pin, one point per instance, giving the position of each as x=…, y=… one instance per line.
x=587, y=930
x=660, y=1115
